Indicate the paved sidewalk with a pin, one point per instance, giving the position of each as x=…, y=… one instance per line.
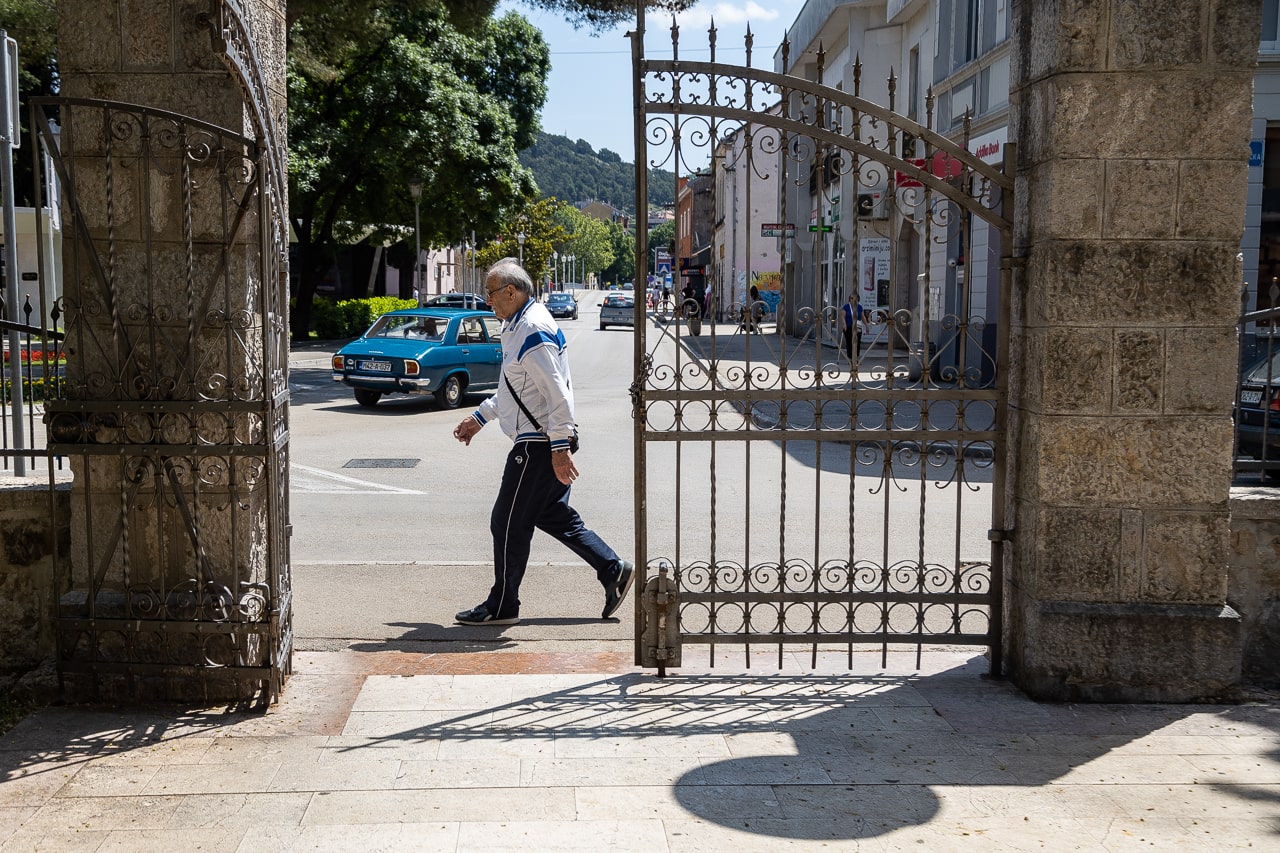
x=522, y=750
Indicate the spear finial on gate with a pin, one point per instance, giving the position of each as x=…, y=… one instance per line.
x=749, y=39
x=786, y=51
x=893, y=87
x=675, y=39
x=857, y=74
x=928, y=108
x=711, y=36
x=822, y=60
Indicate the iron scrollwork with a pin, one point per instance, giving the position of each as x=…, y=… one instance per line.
x=862, y=484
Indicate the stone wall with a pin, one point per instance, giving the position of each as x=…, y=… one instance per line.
x=1254, y=585
x=1132, y=119
x=31, y=525
x=176, y=325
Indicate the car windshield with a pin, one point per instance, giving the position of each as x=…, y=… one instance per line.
x=1264, y=372
x=619, y=302
x=560, y=297
x=408, y=326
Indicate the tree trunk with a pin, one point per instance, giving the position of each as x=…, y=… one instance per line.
x=312, y=266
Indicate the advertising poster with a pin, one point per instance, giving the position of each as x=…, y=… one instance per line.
x=873, y=272
x=769, y=284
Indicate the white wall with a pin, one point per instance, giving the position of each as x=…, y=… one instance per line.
x=29, y=285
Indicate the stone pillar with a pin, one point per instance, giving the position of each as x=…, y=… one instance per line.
x=1132, y=121
x=176, y=347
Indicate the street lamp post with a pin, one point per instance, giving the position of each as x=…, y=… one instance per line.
x=415, y=190
x=555, y=270
x=520, y=239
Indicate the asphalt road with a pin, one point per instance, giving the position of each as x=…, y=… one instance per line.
x=384, y=556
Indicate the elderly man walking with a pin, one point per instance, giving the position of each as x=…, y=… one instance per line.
x=534, y=407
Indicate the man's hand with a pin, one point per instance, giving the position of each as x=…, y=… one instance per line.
x=562, y=464
x=466, y=430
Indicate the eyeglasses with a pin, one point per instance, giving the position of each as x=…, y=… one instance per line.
x=489, y=292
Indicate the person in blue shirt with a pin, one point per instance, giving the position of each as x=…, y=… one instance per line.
x=534, y=407
x=852, y=319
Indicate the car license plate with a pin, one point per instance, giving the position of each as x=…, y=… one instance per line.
x=376, y=366
x=1251, y=397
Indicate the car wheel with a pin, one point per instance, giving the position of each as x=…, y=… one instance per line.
x=368, y=398
x=449, y=395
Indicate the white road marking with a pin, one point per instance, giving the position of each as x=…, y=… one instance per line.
x=354, y=487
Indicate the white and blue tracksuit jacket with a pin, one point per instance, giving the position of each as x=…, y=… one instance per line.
x=535, y=362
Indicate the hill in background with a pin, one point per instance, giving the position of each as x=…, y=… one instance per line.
x=574, y=171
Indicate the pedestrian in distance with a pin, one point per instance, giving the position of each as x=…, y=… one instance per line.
x=534, y=407
x=753, y=312
x=852, y=321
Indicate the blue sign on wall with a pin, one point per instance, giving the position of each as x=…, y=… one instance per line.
x=1255, y=152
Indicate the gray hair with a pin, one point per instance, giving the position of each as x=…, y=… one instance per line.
x=508, y=271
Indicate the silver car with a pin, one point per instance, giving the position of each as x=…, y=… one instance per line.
x=618, y=309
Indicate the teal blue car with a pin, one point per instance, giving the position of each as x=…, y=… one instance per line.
x=439, y=351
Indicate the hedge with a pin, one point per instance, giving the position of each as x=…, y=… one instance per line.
x=349, y=318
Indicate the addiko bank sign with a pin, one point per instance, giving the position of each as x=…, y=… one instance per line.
x=989, y=148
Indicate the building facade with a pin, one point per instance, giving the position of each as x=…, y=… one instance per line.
x=746, y=193
x=1260, y=249
x=945, y=65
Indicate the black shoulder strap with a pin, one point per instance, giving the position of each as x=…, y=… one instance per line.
x=528, y=414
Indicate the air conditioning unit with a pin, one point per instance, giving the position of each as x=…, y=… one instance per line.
x=871, y=205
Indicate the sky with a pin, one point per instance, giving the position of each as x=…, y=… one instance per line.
x=589, y=89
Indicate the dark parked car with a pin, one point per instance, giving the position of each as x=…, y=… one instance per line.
x=1258, y=412
x=562, y=305
x=440, y=351
x=618, y=310
x=470, y=301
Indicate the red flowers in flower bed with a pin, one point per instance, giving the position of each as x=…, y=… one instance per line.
x=36, y=356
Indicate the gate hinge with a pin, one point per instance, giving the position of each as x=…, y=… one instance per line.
x=1000, y=535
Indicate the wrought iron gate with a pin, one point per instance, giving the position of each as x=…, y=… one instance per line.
x=791, y=495
x=175, y=583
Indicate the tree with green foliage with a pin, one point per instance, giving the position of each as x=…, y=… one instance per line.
x=587, y=239
x=414, y=98
x=575, y=172
x=590, y=14
x=33, y=24
x=542, y=231
x=623, y=267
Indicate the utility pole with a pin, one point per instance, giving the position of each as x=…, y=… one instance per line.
x=10, y=129
x=415, y=190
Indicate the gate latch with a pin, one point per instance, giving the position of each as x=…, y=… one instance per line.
x=660, y=629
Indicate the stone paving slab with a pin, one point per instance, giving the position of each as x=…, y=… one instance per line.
x=395, y=751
